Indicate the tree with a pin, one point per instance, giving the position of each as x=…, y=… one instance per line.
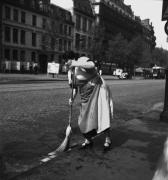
x=146, y=59
x=117, y=50
x=160, y=57
x=98, y=45
x=135, y=52
x=136, y=48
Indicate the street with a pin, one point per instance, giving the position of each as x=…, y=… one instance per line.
x=34, y=116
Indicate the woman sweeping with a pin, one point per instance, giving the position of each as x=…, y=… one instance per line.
x=96, y=109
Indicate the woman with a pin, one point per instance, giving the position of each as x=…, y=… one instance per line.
x=96, y=109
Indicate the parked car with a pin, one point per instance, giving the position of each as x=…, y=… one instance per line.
x=118, y=72
x=124, y=75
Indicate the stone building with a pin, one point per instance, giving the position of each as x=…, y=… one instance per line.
x=148, y=34
x=117, y=17
x=83, y=17
x=29, y=33
x=114, y=17
x=37, y=32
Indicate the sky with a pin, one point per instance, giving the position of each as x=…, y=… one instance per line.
x=146, y=9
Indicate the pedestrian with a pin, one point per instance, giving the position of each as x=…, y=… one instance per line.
x=31, y=68
x=96, y=109
x=36, y=69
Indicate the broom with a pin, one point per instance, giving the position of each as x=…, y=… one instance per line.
x=66, y=142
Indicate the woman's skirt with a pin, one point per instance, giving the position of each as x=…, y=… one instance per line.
x=96, y=109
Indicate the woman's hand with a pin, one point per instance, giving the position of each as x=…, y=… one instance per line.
x=69, y=63
x=70, y=101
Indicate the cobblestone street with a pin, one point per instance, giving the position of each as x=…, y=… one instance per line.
x=33, y=123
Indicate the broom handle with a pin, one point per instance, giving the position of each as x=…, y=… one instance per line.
x=70, y=113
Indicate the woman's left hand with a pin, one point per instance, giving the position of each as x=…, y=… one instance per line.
x=69, y=63
x=70, y=101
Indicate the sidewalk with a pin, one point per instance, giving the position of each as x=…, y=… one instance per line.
x=8, y=78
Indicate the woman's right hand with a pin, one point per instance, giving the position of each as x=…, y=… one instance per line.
x=70, y=101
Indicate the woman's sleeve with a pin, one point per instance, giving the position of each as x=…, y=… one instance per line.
x=83, y=64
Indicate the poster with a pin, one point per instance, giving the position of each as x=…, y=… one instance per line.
x=53, y=68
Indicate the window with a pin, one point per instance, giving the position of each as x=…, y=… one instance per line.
x=65, y=45
x=15, y=15
x=15, y=35
x=7, y=12
x=52, y=43
x=23, y=17
x=22, y=37
x=44, y=23
x=33, y=57
x=34, y=20
x=68, y=17
x=53, y=25
x=43, y=41
x=83, y=42
x=65, y=29
x=33, y=39
x=7, y=34
x=60, y=44
x=33, y=3
x=7, y=54
x=69, y=45
x=89, y=42
x=90, y=25
x=41, y=4
x=22, y=55
x=61, y=28
x=78, y=22
x=70, y=31
x=15, y=55
x=84, y=24
x=77, y=41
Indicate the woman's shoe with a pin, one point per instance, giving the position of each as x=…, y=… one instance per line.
x=107, y=146
x=86, y=145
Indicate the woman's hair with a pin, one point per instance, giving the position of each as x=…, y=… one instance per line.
x=83, y=54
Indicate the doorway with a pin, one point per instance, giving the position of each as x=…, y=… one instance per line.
x=43, y=63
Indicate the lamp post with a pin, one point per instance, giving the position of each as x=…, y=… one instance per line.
x=1, y=3
x=164, y=114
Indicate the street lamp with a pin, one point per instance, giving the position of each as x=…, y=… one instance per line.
x=164, y=114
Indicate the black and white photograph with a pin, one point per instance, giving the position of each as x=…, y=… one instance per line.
x=83, y=89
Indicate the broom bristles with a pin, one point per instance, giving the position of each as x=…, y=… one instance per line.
x=65, y=144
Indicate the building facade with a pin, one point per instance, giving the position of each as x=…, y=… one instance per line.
x=116, y=17
x=37, y=32
x=113, y=17
x=83, y=17
x=33, y=33
x=148, y=34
